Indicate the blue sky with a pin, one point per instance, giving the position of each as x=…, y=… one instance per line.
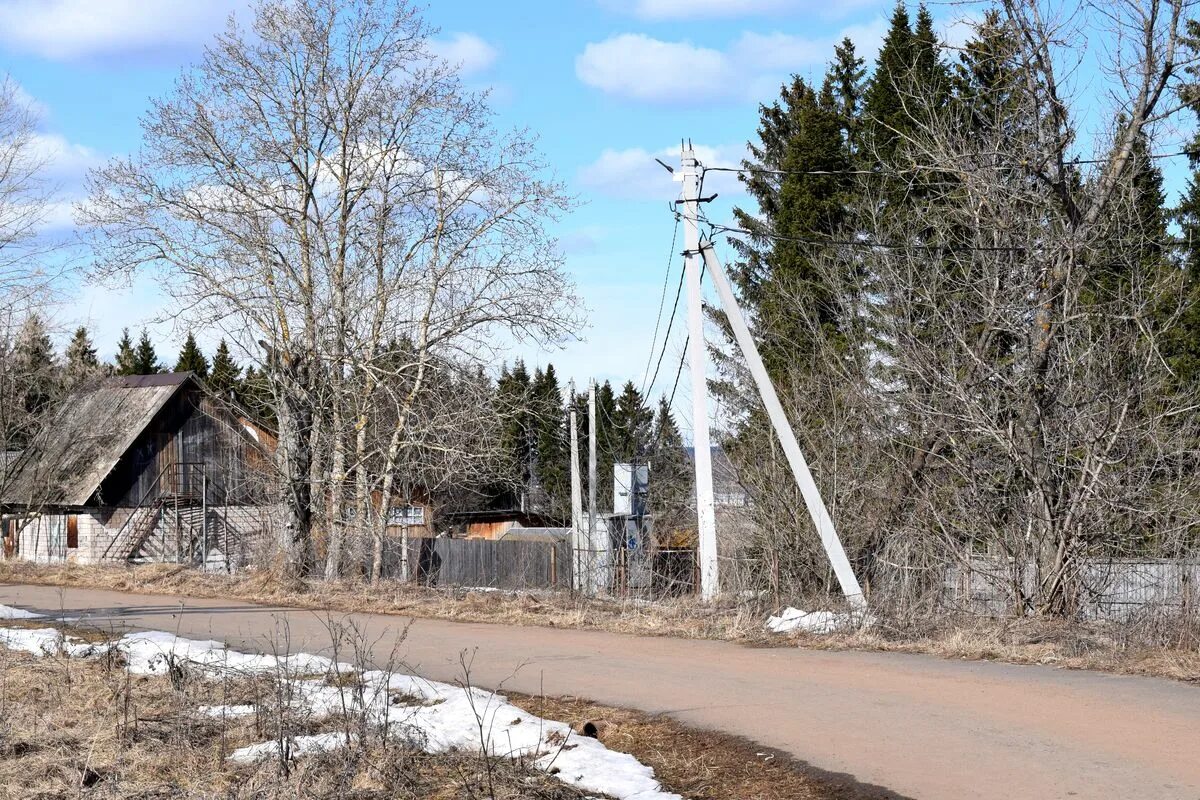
x=606, y=85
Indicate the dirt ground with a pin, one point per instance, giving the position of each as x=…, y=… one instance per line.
x=1157, y=645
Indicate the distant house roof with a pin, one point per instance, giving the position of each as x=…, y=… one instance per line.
x=88, y=434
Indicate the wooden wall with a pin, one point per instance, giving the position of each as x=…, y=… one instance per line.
x=189, y=430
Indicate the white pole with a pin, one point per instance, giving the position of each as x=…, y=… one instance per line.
x=592, y=577
x=706, y=520
x=576, y=502
x=783, y=429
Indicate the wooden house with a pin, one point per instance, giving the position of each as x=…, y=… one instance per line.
x=140, y=468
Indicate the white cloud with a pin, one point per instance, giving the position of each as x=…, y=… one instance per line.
x=632, y=174
x=693, y=9
x=637, y=67
x=81, y=29
x=466, y=50
x=65, y=162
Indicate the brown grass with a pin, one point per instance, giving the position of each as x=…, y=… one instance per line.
x=699, y=764
x=86, y=728
x=1156, y=644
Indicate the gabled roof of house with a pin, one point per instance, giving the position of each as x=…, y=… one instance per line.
x=85, y=438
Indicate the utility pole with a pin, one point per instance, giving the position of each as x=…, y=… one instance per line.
x=689, y=174
x=595, y=583
x=779, y=421
x=592, y=577
x=576, y=502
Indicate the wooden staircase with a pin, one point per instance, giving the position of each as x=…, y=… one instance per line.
x=174, y=522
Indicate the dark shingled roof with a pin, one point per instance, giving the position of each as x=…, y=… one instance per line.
x=86, y=437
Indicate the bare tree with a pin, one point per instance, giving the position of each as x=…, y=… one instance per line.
x=999, y=385
x=322, y=183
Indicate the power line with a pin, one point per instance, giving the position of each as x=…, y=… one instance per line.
x=667, y=336
x=893, y=172
x=661, y=301
x=866, y=244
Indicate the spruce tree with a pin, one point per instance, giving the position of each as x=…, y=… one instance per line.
x=885, y=115
x=191, y=358
x=846, y=81
x=633, y=423
x=671, y=499
x=81, y=363
x=551, y=443
x=254, y=395
x=35, y=368
x=145, y=359
x=800, y=134
x=126, y=357
x=224, y=373
x=516, y=444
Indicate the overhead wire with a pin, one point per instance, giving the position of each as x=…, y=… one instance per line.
x=893, y=172
x=661, y=302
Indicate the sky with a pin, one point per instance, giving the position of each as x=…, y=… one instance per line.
x=606, y=85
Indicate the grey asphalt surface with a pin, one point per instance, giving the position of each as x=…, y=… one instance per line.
x=919, y=726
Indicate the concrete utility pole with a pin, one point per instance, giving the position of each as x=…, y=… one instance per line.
x=783, y=429
x=689, y=174
x=576, y=502
x=592, y=571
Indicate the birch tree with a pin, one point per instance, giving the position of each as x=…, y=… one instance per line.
x=322, y=185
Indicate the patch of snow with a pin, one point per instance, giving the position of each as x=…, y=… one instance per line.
x=8, y=612
x=221, y=712
x=445, y=718
x=298, y=747
x=793, y=619
x=39, y=642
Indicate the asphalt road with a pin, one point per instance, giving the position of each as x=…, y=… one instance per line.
x=919, y=726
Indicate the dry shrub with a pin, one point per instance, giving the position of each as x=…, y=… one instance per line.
x=1150, y=642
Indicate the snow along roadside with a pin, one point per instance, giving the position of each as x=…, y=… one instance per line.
x=443, y=718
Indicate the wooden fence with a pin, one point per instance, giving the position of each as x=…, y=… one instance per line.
x=490, y=564
x=1113, y=588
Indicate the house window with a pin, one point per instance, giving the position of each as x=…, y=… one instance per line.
x=407, y=516
x=72, y=532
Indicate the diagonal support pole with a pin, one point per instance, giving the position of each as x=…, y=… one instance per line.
x=783, y=429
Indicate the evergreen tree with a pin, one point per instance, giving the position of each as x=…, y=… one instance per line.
x=672, y=484
x=633, y=425
x=885, y=115
x=551, y=443
x=224, y=373
x=846, y=81
x=800, y=134
x=517, y=445
x=35, y=366
x=80, y=357
x=254, y=395
x=191, y=358
x=126, y=357
x=145, y=359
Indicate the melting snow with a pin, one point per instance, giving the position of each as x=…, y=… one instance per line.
x=446, y=718
x=8, y=612
x=793, y=619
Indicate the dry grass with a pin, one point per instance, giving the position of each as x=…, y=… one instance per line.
x=73, y=728
x=1156, y=644
x=87, y=728
x=698, y=764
